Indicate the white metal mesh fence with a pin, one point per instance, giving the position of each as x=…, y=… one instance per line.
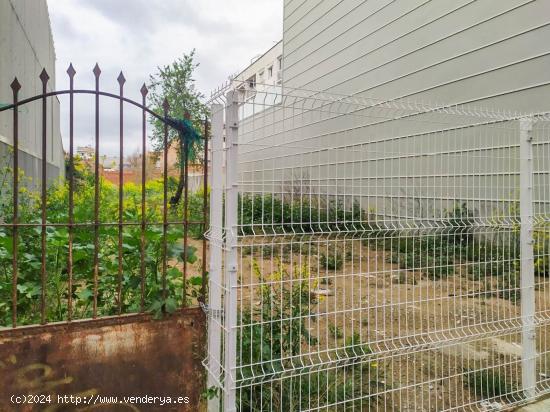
x=374, y=255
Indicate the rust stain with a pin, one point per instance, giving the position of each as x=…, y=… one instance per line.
x=125, y=356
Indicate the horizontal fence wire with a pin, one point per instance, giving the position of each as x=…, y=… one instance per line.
x=379, y=256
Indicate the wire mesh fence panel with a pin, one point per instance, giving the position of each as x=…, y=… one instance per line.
x=376, y=255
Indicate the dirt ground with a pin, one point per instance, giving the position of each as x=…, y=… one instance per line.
x=427, y=336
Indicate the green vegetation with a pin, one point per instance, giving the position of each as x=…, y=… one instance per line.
x=332, y=261
x=272, y=338
x=454, y=245
x=272, y=214
x=175, y=84
x=335, y=331
x=488, y=383
x=29, y=284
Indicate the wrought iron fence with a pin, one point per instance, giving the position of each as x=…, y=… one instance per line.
x=377, y=255
x=83, y=247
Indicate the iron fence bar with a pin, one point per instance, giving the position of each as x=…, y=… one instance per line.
x=144, y=92
x=121, y=80
x=15, y=86
x=165, y=107
x=43, y=275
x=185, y=211
x=204, y=209
x=97, y=73
x=71, y=73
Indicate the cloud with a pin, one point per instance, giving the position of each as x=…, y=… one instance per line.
x=137, y=36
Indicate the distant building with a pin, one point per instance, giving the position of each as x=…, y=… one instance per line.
x=110, y=162
x=85, y=152
x=154, y=168
x=27, y=47
x=264, y=74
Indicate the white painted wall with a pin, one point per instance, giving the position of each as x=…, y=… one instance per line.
x=26, y=47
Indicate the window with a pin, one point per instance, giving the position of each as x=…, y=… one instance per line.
x=270, y=72
x=252, y=82
x=280, y=62
x=261, y=77
x=251, y=88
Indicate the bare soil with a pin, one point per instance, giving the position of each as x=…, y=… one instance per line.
x=426, y=335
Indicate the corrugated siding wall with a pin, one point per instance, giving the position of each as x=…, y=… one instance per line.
x=483, y=53
x=475, y=51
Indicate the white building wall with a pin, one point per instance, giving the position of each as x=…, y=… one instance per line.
x=266, y=89
x=480, y=53
x=260, y=65
x=26, y=47
x=450, y=51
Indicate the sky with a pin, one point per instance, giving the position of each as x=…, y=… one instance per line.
x=137, y=36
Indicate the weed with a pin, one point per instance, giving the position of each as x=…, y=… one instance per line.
x=271, y=339
x=335, y=331
x=488, y=383
x=57, y=292
x=332, y=261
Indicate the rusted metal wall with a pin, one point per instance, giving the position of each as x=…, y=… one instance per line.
x=123, y=356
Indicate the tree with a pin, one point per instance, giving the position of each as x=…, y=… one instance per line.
x=176, y=84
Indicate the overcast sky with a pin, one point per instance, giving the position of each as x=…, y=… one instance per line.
x=136, y=36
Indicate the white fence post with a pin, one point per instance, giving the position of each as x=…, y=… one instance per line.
x=527, y=261
x=231, y=221
x=215, y=312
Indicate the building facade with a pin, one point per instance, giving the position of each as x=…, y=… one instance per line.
x=264, y=74
x=27, y=47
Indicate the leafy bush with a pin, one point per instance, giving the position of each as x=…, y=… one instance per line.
x=273, y=214
x=332, y=261
x=488, y=383
x=335, y=331
x=272, y=337
x=541, y=249
x=430, y=253
x=29, y=285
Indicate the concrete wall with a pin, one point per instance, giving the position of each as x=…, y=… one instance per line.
x=26, y=47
